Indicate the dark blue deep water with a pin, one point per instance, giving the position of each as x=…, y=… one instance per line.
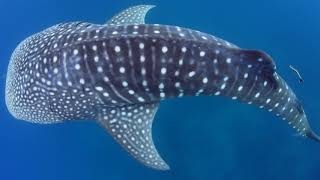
x=202, y=137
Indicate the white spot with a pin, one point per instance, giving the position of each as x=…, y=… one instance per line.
x=217, y=93
x=257, y=95
x=223, y=86
x=143, y=71
x=180, y=62
x=156, y=31
x=245, y=75
x=122, y=70
x=265, y=83
x=94, y=47
x=184, y=49
x=82, y=81
x=192, y=73
x=55, y=59
x=240, y=88
x=205, y=80
x=163, y=70
x=203, y=37
x=141, y=45
x=202, y=53
x=55, y=70
x=144, y=83
x=161, y=86
x=139, y=120
x=117, y=49
x=124, y=84
x=268, y=100
x=106, y=79
x=96, y=58
x=131, y=92
x=164, y=49
x=75, y=51
x=77, y=66
x=142, y=58
x=228, y=60
x=99, y=88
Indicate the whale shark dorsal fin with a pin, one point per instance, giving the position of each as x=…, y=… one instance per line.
x=131, y=126
x=132, y=15
x=255, y=59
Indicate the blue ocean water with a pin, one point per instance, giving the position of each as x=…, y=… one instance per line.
x=201, y=138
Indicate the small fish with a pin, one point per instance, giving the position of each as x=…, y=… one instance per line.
x=297, y=72
x=118, y=72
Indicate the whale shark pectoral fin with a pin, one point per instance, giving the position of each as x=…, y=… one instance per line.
x=132, y=15
x=131, y=126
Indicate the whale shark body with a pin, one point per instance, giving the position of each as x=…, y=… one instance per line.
x=118, y=72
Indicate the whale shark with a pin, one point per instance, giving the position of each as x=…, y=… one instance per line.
x=118, y=72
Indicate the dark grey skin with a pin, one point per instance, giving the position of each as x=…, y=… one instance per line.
x=118, y=73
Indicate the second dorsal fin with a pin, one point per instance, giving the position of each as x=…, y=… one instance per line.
x=132, y=15
x=257, y=59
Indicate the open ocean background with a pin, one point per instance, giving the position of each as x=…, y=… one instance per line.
x=200, y=137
